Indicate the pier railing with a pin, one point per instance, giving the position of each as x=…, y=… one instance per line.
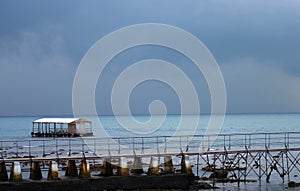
x=151, y=145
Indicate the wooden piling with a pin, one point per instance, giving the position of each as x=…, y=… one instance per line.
x=84, y=169
x=71, y=169
x=137, y=167
x=53, y=173
x=123, y=169
x=35, y=171
x=186, y=167
x=16, y=172
x=168, y=165
x=153, y=166
x=3, y=172
x=107, y=167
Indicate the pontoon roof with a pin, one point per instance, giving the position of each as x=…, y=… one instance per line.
x=59, y=120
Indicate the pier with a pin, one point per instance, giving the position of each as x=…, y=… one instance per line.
x=224, y=157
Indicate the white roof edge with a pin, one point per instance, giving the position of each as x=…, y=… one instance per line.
x=57, y=120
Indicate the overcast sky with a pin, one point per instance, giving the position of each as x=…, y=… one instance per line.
x=256, y=44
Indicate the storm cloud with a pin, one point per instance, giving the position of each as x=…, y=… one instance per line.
x=255, y=43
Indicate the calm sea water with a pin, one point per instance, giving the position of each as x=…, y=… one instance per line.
x=20, y=128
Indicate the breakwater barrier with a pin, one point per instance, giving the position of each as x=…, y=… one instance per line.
x=224, y=157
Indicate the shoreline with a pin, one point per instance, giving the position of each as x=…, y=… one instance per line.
x=165, y=182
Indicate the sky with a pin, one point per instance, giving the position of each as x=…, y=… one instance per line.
x=255, y=43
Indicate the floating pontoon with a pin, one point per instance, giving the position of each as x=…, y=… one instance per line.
x=61, y=127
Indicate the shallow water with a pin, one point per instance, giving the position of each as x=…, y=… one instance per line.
x=20, y=127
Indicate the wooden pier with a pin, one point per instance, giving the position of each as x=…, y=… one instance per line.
x=223, y=157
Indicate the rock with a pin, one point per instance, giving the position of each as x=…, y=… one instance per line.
x=209, y=168
x=204, y=178
x=219, y=174
x=204, y=185
x=293, y=184
x=201, y=185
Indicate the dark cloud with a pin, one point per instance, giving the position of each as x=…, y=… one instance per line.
x=255, y=87
x=36, y=75
x=256, y=43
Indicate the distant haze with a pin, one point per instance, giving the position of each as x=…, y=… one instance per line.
x=256, y=44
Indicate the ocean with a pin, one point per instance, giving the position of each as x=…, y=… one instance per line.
x=19, y=128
